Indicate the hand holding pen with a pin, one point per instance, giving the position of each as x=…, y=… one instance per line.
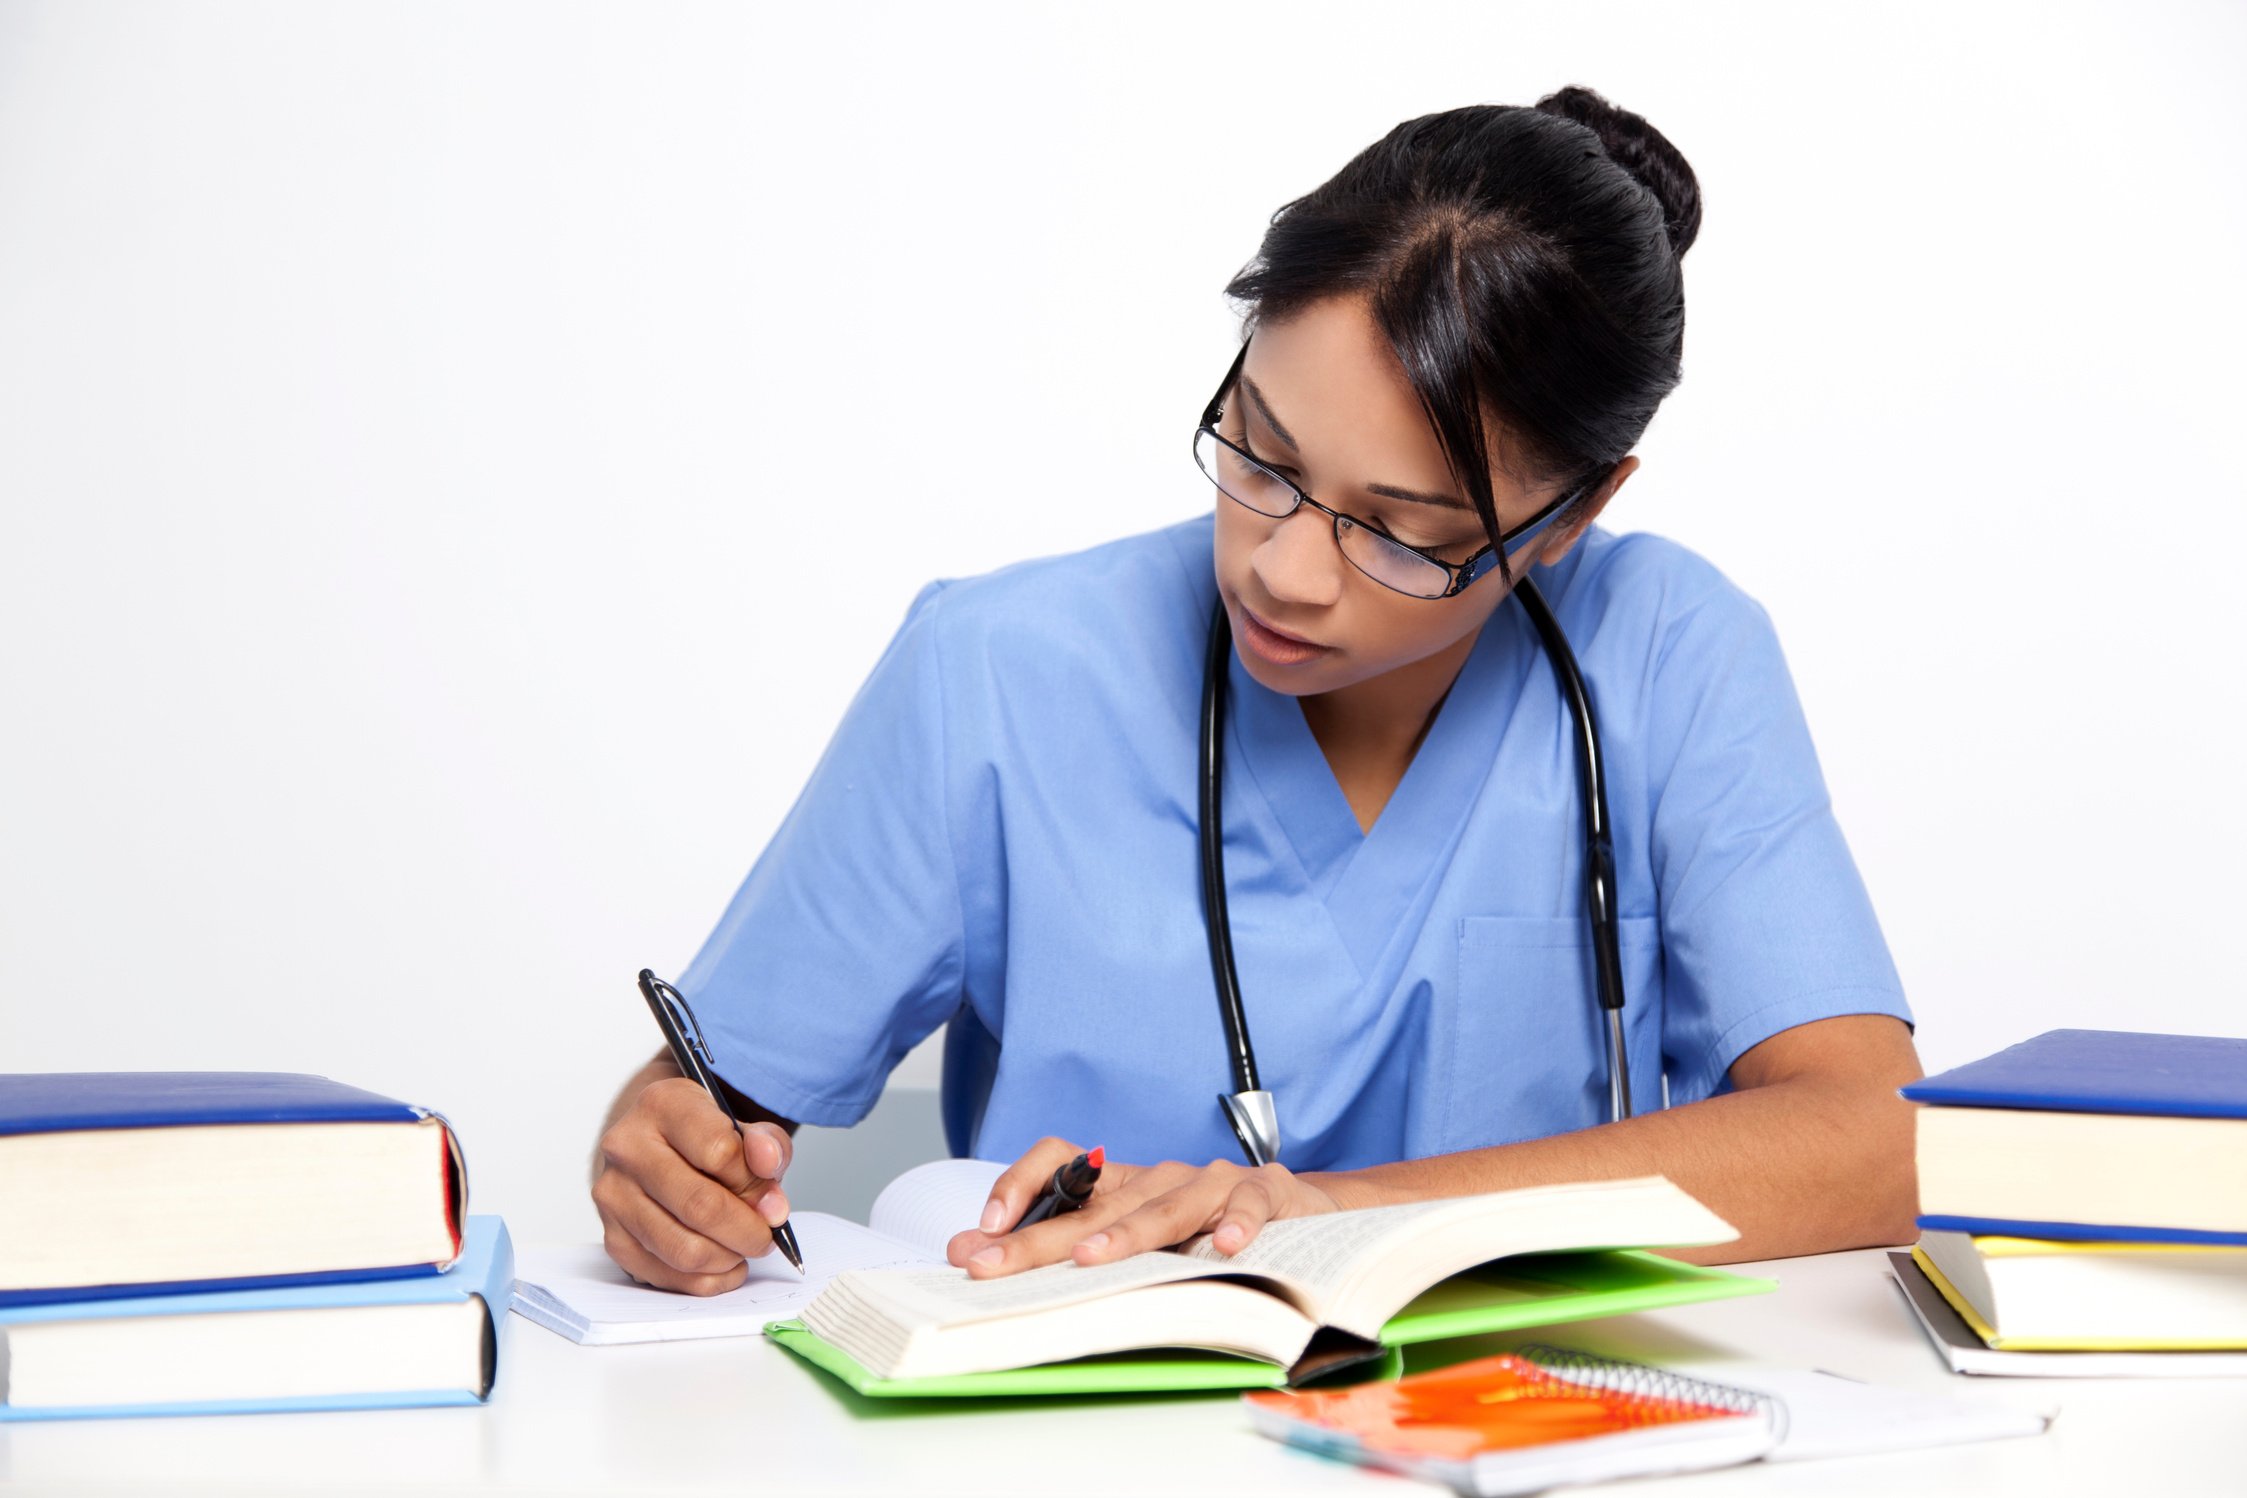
x=662, y=1223
x=1065, y=1190
x=1069, y=1188
x=1219, y=1207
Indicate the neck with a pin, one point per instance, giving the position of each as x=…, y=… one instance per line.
x=1386, y=716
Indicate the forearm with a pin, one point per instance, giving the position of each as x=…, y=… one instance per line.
x=1799, y=1166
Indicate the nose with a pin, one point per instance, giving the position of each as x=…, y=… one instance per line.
x=1298, y=562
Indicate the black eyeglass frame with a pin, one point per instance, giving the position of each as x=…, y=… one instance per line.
x=1461, y=574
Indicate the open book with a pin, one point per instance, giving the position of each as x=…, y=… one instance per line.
x=1307, y=1295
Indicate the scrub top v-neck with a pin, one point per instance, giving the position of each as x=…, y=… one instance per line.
x=1001, y=836
x=1366, y=880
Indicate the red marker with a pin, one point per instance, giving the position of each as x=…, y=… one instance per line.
x=1070, y=1188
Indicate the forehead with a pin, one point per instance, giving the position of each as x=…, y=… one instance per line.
x=1330, y=377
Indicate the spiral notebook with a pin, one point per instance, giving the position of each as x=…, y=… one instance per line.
x=1542, y=1416
x=1528, y=1420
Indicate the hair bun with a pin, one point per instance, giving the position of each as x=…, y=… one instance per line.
x=1641, y=150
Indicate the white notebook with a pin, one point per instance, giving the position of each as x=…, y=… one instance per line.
x=578, y=1290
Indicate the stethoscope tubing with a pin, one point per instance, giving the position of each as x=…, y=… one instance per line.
x=1601, y=896
x=1216, y=670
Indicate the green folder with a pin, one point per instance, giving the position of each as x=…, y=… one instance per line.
x=1505, y=1295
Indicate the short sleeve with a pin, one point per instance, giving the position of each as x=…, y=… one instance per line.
x=1766, y=923
x=842, y=948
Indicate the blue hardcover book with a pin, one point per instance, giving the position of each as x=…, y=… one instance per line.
x=144, y=1183
x=2071, y=1232
x=365, y=1345
x=2089, y=1136
x=2101, y=1071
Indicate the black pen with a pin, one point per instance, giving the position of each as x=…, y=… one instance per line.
x=684, y=1035
x=1069, y=1189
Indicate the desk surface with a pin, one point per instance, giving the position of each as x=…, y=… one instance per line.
x=739, y=1415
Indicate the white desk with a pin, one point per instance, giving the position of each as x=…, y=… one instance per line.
x=739, y=1415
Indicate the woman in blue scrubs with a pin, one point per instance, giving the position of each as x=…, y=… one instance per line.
x=1459, y=339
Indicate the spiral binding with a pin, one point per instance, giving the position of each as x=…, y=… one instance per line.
x=1639, y=1383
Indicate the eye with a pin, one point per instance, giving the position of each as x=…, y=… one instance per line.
x=1418, y=539
x=1449, y=550
x=1279, y=468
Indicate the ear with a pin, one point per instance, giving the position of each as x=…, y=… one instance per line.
x=1554, y=545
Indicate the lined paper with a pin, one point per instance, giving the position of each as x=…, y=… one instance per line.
x=929, y=1203
x=578, y=1290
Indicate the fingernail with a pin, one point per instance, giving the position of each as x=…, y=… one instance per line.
x=994, y=1215
x=773, y=1208
x=990, y=1257
x=1096, y=1242
x=1229, y=1237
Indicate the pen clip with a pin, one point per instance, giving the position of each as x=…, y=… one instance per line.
x=683, y=1034
x=675, y=1004
x=681, y=1018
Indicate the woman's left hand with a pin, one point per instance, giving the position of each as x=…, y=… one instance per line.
x=1133, y=1207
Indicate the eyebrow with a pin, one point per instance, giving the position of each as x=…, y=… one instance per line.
x=1391, y=491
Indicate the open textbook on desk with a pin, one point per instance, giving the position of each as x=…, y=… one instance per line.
x=1309, y=1294
x=881, y=1309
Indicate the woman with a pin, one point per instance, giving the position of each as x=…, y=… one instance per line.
x=1453, y=347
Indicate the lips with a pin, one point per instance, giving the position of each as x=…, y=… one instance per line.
x=1269, y=628
x=1274, y=647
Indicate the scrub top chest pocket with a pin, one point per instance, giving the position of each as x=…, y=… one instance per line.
x=1523, y=1031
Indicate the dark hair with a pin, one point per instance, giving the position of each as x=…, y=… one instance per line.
x=1521, y=261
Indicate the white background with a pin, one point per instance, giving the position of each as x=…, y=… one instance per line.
x=430, y=436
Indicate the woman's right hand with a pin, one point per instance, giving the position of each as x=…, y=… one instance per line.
x=680, y=1210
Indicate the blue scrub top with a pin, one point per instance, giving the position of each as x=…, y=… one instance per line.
x=1002, y=835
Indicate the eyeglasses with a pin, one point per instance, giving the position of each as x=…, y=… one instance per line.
x=1385, y=559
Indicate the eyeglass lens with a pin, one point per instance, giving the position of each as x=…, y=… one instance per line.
x=1259, y=489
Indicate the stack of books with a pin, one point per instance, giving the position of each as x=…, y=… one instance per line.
x=214, y=1242
x=2083, y=1200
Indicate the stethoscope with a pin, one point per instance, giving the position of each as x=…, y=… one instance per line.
x=1249, y=1108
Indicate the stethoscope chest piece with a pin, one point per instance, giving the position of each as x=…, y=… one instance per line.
x=1256, y=1123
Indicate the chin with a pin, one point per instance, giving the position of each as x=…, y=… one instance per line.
x=1310, y=679
x=1290, y=683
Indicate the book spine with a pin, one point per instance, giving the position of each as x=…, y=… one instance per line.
x=497, y=1293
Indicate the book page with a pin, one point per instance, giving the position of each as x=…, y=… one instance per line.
x=962, y=1326
x=1353, y=1270
x=947, y=1297
x=579, y=1291
x=1314, y=1253
x=929, y=1203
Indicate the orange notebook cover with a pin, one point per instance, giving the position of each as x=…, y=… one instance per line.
x=1526, y=1421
